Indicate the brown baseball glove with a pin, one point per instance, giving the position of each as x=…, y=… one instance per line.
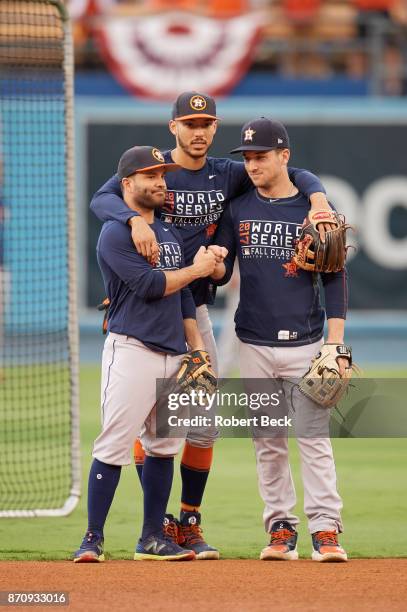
x=311, y=253
x=196, y=373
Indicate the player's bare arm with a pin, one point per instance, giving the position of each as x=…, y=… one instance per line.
x=203, y=266
x=144, y=239
x=336, y=332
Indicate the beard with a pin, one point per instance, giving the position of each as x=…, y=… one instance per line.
x=188, y=149
x=149, y=199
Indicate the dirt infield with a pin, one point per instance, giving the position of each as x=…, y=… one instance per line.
x=238, y=585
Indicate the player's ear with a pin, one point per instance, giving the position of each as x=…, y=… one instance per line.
x=172, y=127
x=285, y=154
x=215, y=125
x=127, y=184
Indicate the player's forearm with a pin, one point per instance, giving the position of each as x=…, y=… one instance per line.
x=178, y=279
x=192, y=335
x=319, y=200
x=336, y=331
x=144, y=238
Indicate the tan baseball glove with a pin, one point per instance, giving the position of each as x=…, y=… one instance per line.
x=196, y=373
x=323, y=382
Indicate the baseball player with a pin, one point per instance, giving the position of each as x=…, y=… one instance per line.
x=279, y=323
x=196, y=198
x=151, y=321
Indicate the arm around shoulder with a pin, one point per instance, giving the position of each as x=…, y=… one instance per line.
x=108, y=204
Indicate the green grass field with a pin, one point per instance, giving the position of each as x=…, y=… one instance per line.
x=371, y=475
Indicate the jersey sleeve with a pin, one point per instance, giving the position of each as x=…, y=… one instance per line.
x=305, y=181
x=108, y=204
x=336, y=293
x=187, y=301
x=187, y=304
x=225, y=237
x=118, y=252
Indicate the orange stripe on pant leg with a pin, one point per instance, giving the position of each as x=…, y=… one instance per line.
x=197, y=458
x=139, y=453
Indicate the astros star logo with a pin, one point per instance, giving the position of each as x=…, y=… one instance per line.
x=158, y=155
x=248, y=135
x=290, y=269
x=198, y=103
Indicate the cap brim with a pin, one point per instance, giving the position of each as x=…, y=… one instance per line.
x=168, y=167
x=195, y=116
x=253, y=148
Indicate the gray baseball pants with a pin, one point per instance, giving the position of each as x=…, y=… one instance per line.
x=198, y=436
x=322, y=503
x=128, y=397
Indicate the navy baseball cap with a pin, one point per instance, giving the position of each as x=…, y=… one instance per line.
x=141, y=159
x=263, y=135
x=192, y=104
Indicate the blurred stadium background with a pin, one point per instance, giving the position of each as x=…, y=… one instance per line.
x=334, y=71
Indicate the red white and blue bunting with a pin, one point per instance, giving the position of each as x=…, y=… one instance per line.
x=161, y=55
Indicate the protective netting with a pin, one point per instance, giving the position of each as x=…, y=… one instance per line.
x=38, y=330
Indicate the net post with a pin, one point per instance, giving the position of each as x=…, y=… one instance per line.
x=73, y=325
x=68, y=358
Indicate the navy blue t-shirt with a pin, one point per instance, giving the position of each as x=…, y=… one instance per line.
x=279, y=303
x=136, y=289
x=195, y=201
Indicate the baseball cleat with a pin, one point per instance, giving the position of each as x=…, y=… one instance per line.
x=190, y=536
x=91, y=549
x=283, y=543
x=171, y=528
x=161, y=548
x=326, y=547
